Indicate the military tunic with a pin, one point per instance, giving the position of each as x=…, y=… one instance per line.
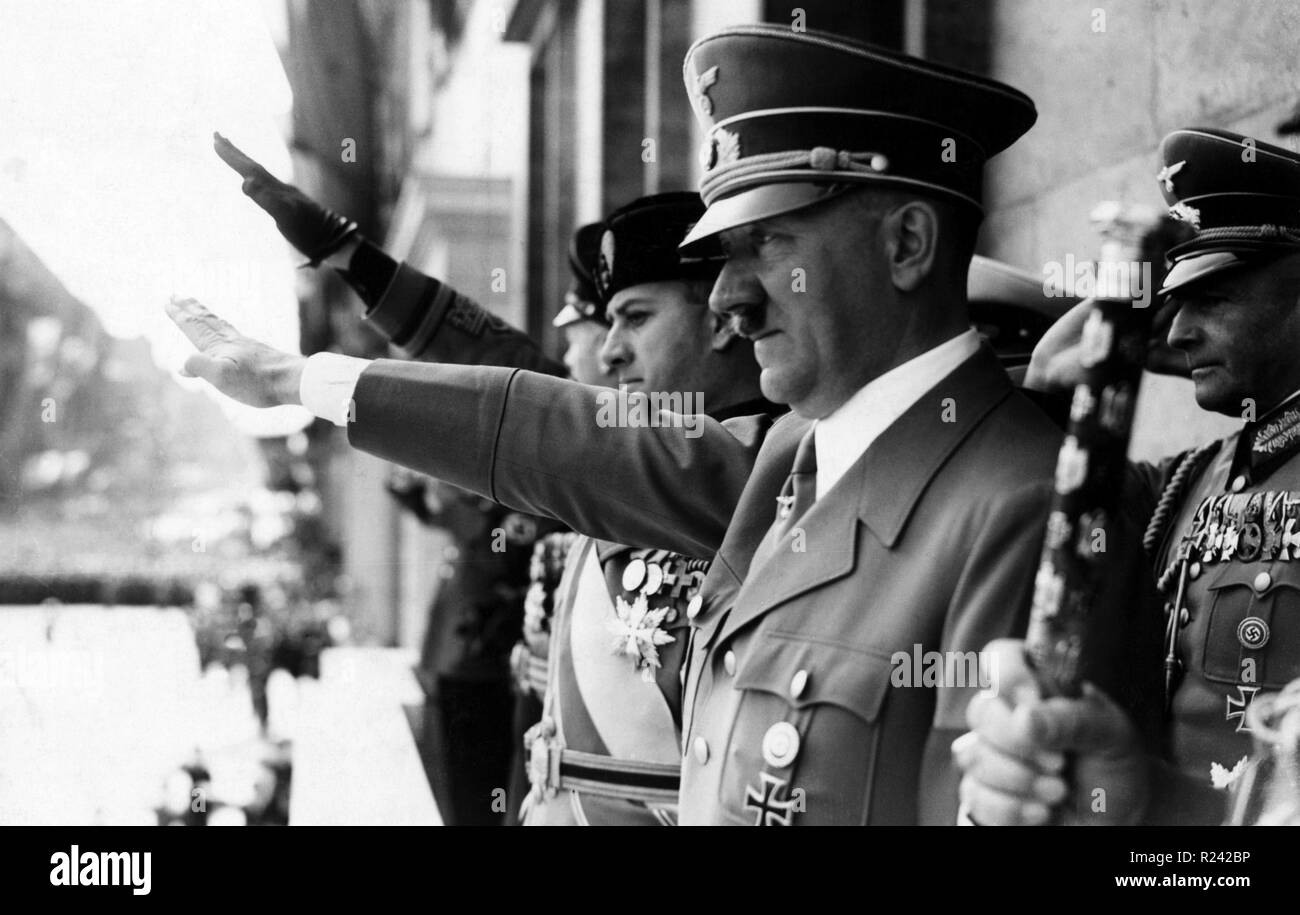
x=1237, y=630
x=619, y=635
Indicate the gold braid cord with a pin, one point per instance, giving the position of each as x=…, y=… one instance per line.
x=1191, y=464
x=822, y=159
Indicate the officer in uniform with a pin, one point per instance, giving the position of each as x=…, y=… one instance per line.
x=898, y=511
x=607, y=750
x=1224, y=528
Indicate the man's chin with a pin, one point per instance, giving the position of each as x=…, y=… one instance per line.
x=772, y=385
x=1213, y=397
x=781, y=389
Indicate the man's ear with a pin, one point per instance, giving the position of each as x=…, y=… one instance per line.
x=724, y=333
x=910, y=233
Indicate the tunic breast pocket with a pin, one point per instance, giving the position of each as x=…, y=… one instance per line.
x=805, y=740
x=1253, y=634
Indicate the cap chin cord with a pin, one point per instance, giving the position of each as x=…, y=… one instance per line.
x=1250, y=233
x=818, y=159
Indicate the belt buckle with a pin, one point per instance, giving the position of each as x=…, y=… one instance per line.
x=543, y=759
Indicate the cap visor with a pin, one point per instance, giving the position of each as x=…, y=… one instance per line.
x=1198, y=267
x=568, y=315
x=995, y=282
x=755, y=203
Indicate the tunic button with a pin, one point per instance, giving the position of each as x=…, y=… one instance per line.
x=693, y=608
x=1195, y=571
x=780, y=745
x=798, y=683
x=671, y=615
x=701, y=750
x=1183, y=616
x=1238, y=483
x=729, y=662
x=1262, y=581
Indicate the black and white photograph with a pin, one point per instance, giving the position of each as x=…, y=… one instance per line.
x=424, y=413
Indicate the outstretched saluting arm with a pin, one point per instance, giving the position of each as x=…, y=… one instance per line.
x=530, y=442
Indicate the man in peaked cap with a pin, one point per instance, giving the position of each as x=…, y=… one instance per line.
x=1223, y=519
x=857, y=171
x=896, y=512
x=608, y=748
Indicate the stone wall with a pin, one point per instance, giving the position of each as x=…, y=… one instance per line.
x=1110, y=80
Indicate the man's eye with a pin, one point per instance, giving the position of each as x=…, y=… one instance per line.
x=635, y=319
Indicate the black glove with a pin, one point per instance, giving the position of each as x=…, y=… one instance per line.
x=305, y=224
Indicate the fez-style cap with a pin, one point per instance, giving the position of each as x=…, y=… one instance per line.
x=640, y=244
x=792, y=118
x=582, y=302
x=1241, y=196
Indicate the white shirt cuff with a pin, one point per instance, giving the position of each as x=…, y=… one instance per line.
x=328, y=382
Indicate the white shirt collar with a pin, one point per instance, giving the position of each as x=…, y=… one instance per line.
x=846, y=434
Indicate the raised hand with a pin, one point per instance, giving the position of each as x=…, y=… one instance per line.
x=1136, y=235
x=1056, y=364
x=315, y=231
x=239, y=367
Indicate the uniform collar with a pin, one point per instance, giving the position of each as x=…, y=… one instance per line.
x=846, y=434
x=1267, y=443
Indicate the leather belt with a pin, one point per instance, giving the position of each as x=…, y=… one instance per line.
x=553, y=768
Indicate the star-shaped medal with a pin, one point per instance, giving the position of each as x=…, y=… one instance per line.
x=637, y=633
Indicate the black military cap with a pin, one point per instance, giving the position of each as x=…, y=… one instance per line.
x=582, y=302
x=792, y=118
x=1241, y=196
x=640, y=244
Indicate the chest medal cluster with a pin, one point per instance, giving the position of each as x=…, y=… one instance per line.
x=1234, y=527
x=654, y=583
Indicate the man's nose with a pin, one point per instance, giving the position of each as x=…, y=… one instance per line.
x=736, y=288
x=1183, y=329
x=615, y=352
x=739, y=297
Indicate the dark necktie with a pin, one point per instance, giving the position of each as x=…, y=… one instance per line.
x=800, y=490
